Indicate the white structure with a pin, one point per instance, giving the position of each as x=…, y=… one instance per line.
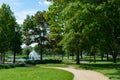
x=34, y=55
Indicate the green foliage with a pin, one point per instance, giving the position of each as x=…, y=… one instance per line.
x=37, y=49
x=35, y=30
x=91, y=26
x=9, y=38
x=27, y=26
x=20, y=65
x=55, y=25
x=7, y=66
x=46, y=61
x=26, y=51
x=7, y=27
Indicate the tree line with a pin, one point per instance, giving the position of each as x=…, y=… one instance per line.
x=69, y=26
x=90, y=26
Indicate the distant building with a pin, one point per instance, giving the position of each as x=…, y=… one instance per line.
x=34, y=55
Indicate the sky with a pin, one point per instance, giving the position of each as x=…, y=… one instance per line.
x=21, y=8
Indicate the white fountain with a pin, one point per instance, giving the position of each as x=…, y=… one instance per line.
x=34, y=55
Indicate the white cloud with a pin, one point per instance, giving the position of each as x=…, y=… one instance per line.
x=47, y=2
x=19, y=21
x=40, y=3
x=44, y=3
x=21, y=15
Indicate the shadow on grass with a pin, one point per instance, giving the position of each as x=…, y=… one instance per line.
x=115, y=75
x=110, y=69
x=99, y=66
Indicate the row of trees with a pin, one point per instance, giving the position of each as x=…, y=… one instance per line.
x=91, y=26
x=10, y=39
x=76, y=26
x=33, y=30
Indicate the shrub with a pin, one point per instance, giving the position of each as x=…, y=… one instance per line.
x=12, y=65
x=20, y=65
x=7, y=66
x=33, y=62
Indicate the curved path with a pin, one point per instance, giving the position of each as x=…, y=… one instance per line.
x=84, y=74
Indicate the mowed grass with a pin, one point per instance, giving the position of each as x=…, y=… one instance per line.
x=35, y=73
x=52, y=65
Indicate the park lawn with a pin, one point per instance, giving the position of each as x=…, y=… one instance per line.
x=107, y=68
x=34, y=73
x=52, y=65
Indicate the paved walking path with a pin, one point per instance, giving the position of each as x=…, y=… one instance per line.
x=84, y=74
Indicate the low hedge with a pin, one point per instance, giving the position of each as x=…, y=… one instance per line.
x=20, y=65
x=33, y=62
x=7, y=66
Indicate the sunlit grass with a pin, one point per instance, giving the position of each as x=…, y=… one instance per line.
x=34, y=73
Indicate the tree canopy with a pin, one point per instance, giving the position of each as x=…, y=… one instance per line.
x=35, y=30
x=86, y=25
x=9, y=40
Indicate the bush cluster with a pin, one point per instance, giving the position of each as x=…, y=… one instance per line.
x=20, y=65
x=33, y=62
x=7, y=66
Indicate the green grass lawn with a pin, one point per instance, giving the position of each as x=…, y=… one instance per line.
x=107, y=68
x=34, y=73
x=52, y=65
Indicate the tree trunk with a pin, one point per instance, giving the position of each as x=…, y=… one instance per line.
x=68, y=55
x=54, y=54
x=94, y=58
x=62, y=56
x=90, y=58
x=114, y=54
x=107, y=56
x=114, y=60
x=77, y=57
x=27, y=56
x=41, y=54
x=81, y=55
x=72, y=56
x=14, y=57
x=102, y=55
x=3, y=58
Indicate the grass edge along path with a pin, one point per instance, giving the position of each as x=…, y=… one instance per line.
x=109, y=69
x=83, y=74
x=35, y=73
